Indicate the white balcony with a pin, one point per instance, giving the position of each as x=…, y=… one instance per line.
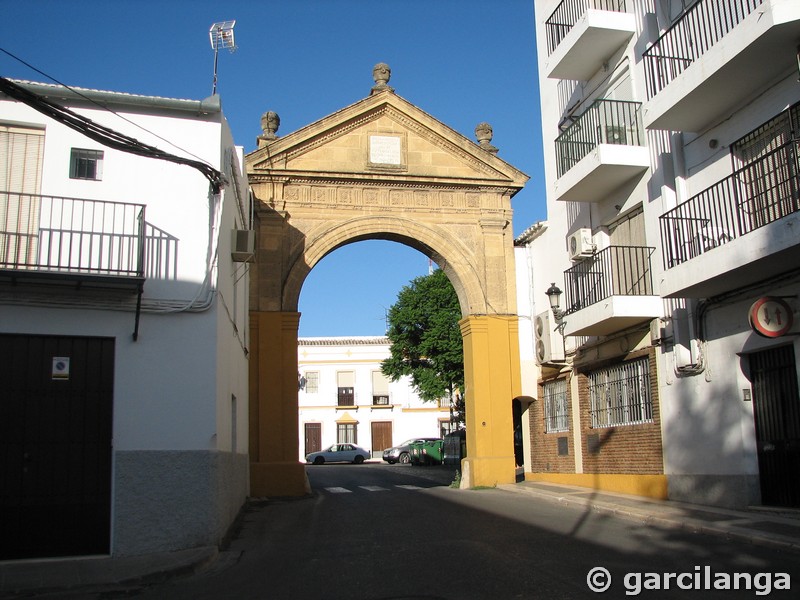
x=604, y=169
x=612, y=314
x=705, y=65
x=591, y=41
x=741, y=230
x=759, y=255
x=610, y=291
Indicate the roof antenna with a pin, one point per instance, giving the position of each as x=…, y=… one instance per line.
x=221, y=36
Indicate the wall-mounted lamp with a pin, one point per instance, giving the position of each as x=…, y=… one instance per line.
x=554, y=296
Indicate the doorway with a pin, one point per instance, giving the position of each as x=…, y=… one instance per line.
x=777, y=419
x=55, y=440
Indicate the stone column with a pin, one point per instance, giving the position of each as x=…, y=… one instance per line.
x=492, y=381
x=274, y=466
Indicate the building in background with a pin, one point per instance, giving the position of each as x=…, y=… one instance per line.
x=669, y=366
x=123, y=326
x=344, y=397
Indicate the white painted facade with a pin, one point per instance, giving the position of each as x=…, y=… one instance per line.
x=180, y=399
x=355, y=362
x=693, y=126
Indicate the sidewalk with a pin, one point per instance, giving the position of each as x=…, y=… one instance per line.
x=776, y=528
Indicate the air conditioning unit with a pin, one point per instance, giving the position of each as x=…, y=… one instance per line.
x=581, y=245
x=616, y=134
x=243, y=245
x=549, y=343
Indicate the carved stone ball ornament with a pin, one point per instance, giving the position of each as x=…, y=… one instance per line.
x=381, y=73
x=484, y=133
x=270, y=122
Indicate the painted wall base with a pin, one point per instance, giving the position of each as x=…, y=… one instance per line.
x=487, y=472
x=649, y=486
x=728, y=491
x=174, y=500
x=274, y=479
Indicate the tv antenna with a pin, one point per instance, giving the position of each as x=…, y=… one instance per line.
x=221, y=36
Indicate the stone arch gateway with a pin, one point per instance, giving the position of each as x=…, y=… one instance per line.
x=382, y=168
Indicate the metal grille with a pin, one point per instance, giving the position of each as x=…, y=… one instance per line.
x=700, y=27
x=620, y=395
x=567, y=14
x=556, y=406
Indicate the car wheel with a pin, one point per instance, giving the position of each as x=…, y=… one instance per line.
x=405, y=458
x=319, y=460
x=358, y=459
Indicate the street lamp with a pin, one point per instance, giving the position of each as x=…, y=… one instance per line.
x=554, y=296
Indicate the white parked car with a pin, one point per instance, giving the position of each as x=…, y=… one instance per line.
x=338, y=453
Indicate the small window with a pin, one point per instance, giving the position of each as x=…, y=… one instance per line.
x=380, y=400
x=86, y=164
x=556, y=406
x=311, y=382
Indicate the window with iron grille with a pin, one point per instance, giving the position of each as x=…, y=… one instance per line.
x=620, y=395
x=556, y=406
x=86, y=164
x=346, y=433
x=312, y=382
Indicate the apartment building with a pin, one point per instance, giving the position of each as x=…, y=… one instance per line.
x=662, y=346
x=344, y=397
x=123, y=323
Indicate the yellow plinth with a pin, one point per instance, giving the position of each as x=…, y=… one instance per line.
x=274, y=467
x=492, y=381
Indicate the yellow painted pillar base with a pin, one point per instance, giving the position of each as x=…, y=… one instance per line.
x=492, y=380
x=274, y=466
x=276, y=480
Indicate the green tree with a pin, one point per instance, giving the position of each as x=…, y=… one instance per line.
x=425, y=338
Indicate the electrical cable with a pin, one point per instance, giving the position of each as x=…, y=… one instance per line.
x=104, y=135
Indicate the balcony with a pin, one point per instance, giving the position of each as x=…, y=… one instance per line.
x=70, y=241
x=584, y=34
x=696, y=70
x=600, y=151
x=741, y=230
x=610, y=291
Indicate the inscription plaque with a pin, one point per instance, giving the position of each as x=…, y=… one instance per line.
x=385, y=150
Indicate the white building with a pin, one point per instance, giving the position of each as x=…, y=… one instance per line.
x=123, y=324
x=344, y=397
x=670, y=145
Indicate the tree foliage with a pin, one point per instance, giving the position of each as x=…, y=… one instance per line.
x=425, y=337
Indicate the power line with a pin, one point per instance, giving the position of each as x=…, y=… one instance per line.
x=104, y=135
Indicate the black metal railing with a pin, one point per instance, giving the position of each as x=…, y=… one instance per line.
x=758, y=194
x=71, y=235
x=697, y=30
x=564, y=17
x=615, y=271
x=604, y=122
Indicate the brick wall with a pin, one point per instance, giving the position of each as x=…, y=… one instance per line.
x=629, y=449
x=632, y=449
x=545, y=457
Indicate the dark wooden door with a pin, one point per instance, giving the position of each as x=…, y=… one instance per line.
x=381, y=437
x=777, y=419
x=313, y=437
x=55, y=445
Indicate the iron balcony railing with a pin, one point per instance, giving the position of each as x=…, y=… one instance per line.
x=697, y=30
x=758, y=194
x=604, y=122
x=564, y=17
x=71, y=235
x=615, y=271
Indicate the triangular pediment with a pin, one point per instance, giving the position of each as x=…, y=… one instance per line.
x=383, y=136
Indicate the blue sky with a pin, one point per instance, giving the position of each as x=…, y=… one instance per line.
x=461, y=61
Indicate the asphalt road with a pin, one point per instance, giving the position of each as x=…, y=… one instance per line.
x=396, y=532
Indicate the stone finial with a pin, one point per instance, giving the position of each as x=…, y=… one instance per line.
x=484, y=133
x=270, y=122
x=381, y=73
